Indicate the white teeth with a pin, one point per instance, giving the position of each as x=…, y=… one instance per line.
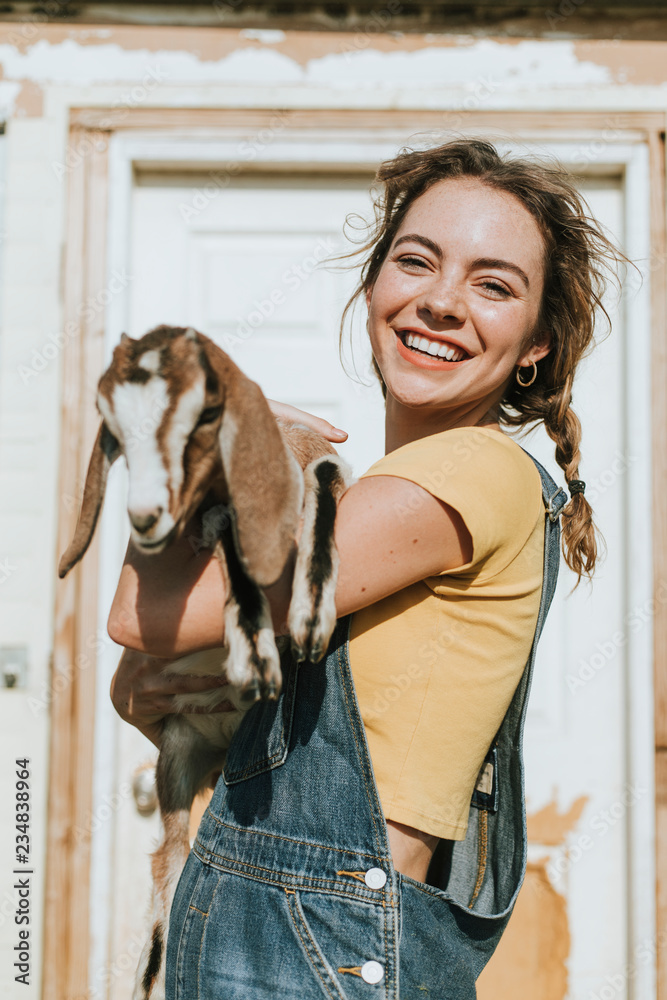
x=433, y=347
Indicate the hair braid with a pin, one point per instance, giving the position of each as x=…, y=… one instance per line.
x=578, y=529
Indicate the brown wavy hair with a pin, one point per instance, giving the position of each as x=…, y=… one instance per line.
x=579, y=259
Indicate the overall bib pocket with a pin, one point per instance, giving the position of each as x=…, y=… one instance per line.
x=262, y=740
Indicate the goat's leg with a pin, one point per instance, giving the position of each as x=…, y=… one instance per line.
x=312, y=612
x=252, y=660
x=185, y=761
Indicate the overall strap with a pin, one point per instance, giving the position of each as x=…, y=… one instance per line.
x=554, y=498
x=487, y=868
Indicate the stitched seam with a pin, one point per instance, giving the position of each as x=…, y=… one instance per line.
x=201, y=938
x=354, y=735
x=336, y=888
x=249, y=770
x=481, y=855
x=313, y=965
x=184, y=925
x=288, y=840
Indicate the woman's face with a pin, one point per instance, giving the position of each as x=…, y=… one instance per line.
x=456, y=302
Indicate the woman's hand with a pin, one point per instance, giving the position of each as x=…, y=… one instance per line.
x=293, y=414
x=143, y=695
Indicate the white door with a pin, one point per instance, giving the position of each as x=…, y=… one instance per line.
x=243, y=266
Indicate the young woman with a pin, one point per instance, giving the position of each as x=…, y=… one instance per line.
x=372, y=836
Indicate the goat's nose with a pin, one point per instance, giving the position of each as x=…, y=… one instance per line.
x=143, y=521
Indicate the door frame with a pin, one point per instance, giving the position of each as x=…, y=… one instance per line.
x=97, y=239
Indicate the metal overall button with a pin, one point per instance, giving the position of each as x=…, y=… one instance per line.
x=372, y=972
x=375, y=878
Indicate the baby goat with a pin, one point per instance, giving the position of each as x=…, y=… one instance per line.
x=199, y=438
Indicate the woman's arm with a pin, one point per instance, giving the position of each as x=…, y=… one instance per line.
x=390, y=533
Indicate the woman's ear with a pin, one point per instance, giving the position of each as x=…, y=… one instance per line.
x=538, y=348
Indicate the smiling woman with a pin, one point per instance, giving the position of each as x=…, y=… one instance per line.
x=371, y=828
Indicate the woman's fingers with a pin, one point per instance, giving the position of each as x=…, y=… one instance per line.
x=187, y=684
x=143, y=694
x=293, y=413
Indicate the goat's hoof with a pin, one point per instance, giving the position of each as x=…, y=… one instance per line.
x=271, y=690
x=316, y=653
x=298, y=652
x=251, y=693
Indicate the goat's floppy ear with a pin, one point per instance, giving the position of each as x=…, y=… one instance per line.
x=262, y=478
x=105, y=452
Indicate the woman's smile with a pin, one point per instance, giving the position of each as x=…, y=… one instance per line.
x=425, y=350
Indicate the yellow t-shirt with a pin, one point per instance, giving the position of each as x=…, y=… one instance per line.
x=435, y=665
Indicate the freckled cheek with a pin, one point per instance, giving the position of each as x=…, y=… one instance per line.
x=503, y=326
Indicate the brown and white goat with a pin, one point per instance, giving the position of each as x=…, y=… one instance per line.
x=199, y=437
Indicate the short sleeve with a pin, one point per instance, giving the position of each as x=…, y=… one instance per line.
x=485, y=476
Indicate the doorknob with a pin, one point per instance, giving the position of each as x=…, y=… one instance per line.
x=144, y=789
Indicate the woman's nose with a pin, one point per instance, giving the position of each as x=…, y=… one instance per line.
x=444, y=300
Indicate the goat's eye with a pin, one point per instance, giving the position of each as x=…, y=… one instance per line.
x=208, y=415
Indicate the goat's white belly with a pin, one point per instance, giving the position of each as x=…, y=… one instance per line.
x=217, y=727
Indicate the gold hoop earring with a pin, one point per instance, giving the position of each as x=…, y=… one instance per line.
x=525, y=384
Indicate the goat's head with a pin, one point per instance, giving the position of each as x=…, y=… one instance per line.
x=186, y=417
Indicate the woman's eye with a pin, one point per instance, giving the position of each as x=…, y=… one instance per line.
x=417, y=262
x=208, y=415
x=494, y=287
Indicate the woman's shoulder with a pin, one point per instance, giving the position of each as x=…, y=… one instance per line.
x=466, y=454
x=480, y=472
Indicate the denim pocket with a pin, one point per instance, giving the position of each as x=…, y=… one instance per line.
x=262, y=740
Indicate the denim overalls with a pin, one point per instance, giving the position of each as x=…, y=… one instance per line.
x=289, y=892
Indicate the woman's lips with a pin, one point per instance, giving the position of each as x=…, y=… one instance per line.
x=422, y=360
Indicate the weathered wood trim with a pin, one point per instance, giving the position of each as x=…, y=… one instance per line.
x=658, y=166
x=500, y=123
x=66, y=925
x=661, y=870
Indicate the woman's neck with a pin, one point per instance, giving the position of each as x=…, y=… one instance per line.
x=406, y=424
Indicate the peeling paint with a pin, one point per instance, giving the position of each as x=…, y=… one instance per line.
x=550, y=827
x=527, y=64
x=266, y=36
x=531, y=959
x=29, y=101
x=634, y=63
x=356, y=61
